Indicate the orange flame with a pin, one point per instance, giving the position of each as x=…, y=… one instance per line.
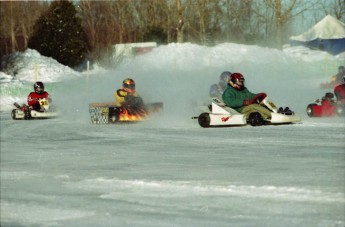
x=136, y=116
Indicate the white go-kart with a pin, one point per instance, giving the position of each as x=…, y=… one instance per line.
x=25, y=112
x=219, y=114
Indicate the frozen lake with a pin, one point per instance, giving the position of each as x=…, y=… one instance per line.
x=79, y=174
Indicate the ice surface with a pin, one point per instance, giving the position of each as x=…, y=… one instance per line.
x=168, y=171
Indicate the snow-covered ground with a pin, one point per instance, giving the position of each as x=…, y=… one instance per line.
x=168, y=171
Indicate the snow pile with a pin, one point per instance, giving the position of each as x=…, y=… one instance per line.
x=191, y=57
x=22, y=66
x=4, y=78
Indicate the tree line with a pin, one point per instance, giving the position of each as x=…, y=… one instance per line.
x=72, y=31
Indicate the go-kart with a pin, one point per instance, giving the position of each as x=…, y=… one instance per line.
x=219, y=114
x=326, y=107
x=26, y=112
x=109, y=113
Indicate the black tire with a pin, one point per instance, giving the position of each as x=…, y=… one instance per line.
x=204, y=120
x=310, y=110
x=255, y=119
x=114, y=114
x=27, y=114
x=13, y=114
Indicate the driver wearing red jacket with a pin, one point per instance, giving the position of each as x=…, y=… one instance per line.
x=35, y=97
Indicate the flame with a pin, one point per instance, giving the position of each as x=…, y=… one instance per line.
x=137, y=115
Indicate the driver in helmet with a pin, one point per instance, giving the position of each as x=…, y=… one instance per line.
x=336, y=79
x=340, y=75
x=339, y=91
x=217, y=90
x=127, y=96
x=38, y=94
x=238, y=97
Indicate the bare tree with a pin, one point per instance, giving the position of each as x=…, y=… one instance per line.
x=180, y=21
x=17, y=20
x=277, y=14
x=236, y=19
x=99, y=21
x=334, y=7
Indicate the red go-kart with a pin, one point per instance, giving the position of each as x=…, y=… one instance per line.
x=326, y=107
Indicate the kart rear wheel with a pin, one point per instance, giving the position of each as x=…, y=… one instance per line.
x=13, y=114
x=114, y=113
x=310, y=110
x=255, y=119
x=204, y=120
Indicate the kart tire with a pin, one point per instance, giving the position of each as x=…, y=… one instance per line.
x=310, y=110
x=13, y=114
x=114, y=113
x=255, y=119
x=204, y=120
x=27, y=114
x=341, y=110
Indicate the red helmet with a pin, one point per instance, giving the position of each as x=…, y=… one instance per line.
x=237, y=81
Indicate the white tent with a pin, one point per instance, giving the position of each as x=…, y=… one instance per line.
x=328, y=28
x=328, y=34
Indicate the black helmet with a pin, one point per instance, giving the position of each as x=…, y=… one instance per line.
x=329, y=95
x=39, y=87
x=129, y=84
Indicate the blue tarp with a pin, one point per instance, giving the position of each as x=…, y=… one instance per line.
x=328, y=35
x=332, y=46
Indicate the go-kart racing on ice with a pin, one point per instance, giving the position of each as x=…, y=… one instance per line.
x=219, y=114
x=326, y=107
x=26, y=112
x=127, y=108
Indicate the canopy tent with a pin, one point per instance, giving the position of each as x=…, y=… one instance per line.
x=328, y=35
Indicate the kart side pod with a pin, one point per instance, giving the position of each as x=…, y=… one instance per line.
x=220, y=117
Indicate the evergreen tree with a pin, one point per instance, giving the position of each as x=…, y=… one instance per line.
x=60, y=35
x=156, y=34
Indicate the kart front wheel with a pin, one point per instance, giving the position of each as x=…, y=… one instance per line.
x=310, y=110
x=341, y=110
x=204, y=120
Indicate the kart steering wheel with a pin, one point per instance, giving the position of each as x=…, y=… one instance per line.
x=258, y=98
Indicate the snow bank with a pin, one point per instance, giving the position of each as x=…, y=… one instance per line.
x=191, y=57
x=22, y=66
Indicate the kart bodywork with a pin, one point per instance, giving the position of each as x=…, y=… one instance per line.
x=218, y=114
x=25, y=112
x=109, y=113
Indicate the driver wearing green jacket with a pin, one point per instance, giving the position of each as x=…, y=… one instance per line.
x=238, y=97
